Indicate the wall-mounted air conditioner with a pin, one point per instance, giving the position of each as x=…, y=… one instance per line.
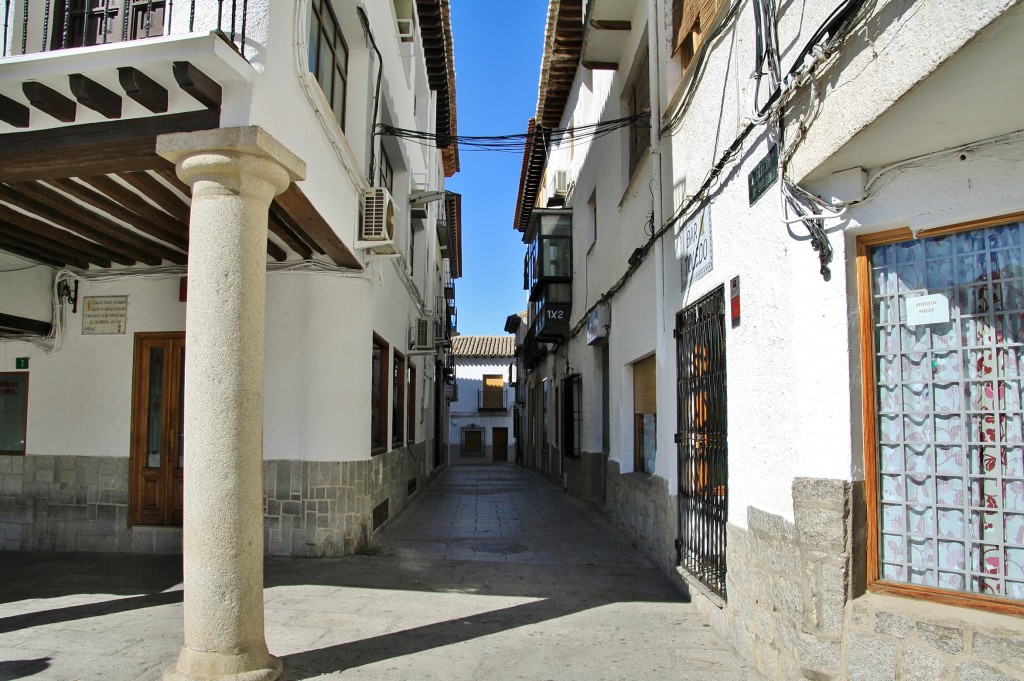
x=561, y=182
x=423, y=334
x=377, y=231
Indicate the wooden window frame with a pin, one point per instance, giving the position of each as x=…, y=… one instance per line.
x=483, y=441
x=642, y=405
x=338, y=66
x=398, y=400
x=638, y=100
x=412, y=412
x=19, y=374
x=379, y=404
x=869, y=416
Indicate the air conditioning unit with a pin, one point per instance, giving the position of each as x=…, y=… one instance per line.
x=561, y=182
x=423, y=334
x=377, y=231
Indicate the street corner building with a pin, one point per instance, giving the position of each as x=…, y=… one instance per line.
x=776, y=317
x=219, y=264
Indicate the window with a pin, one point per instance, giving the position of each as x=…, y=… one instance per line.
x=13, y=412
x=703, y=451
x=413, y=407
x=379, y=395
x=645, y=407
x=688, y=18
x=942, y=341
x=639, y=102
x=328, y=57
x=572, y=417
x=387, y=173
x=398, y=400
x=473, y=441
x=492, y=397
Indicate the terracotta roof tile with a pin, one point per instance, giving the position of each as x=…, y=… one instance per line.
x=484, y=346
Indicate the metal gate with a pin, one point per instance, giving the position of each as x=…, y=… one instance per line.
x=701, y=440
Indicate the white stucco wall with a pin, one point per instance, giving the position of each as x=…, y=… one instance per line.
x=27, y=288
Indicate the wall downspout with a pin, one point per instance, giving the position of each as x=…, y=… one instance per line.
x=665, y=391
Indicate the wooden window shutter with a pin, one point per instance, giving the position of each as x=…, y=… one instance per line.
x=644, y=386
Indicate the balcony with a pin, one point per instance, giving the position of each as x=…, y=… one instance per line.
x=31, y=26
x=492, y=399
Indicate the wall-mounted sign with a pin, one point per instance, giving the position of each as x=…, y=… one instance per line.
x=929, y=309
x=694, y=248
x=764, y=174
x=21, y=362
x=734, y=300
x=104, y=315
x=598, y=322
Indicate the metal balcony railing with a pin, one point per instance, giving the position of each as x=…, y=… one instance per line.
x=492, y=399
x=46, y=25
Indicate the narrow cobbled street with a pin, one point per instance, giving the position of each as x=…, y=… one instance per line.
x=492, y=573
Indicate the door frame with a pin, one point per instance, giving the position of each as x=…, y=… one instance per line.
x=139, y=411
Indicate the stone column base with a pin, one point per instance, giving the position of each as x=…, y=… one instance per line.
x=195, y=665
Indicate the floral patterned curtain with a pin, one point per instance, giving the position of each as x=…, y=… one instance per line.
x=950, y=414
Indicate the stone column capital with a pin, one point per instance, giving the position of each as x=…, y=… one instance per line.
x=226, y=155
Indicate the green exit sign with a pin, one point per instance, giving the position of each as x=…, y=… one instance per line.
x=21, y=362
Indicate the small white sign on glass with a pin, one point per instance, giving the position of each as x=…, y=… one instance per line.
x=928, y=309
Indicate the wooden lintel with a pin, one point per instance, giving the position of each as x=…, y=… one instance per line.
x=49, y=101
x=293, y=202
x=29, y=326
x=138, y=205
x=93, y=95
x=56, y=208
x=143, y=89
x=601, y=65
x=13, y=113
x=276, y=252
x=26, y=224
x=157, y=192
x=158, y=230
x=278, y=224
x=204, y=89
x=610, y=25
x=42, y=247
x=94, y=148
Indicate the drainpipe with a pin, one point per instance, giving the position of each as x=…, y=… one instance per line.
x=662, y=347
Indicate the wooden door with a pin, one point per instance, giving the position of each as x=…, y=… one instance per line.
x=499, y=444
x=157, y=451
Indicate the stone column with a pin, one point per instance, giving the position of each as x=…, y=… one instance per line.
x=234, y=174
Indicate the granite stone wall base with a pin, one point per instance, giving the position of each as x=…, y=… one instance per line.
x=80, y=503
x=585, y=476
x=324, y=508
x=643, y=510
x=796, y=606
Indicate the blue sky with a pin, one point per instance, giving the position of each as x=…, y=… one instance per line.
x=498, y=46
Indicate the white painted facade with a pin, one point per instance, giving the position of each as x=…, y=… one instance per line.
x=322, y=317
x=920, y=96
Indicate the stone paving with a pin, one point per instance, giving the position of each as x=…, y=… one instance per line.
x=492, y=573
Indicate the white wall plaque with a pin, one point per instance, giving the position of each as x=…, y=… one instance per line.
x=103, y=315
x=929, y=309
x=693, y=247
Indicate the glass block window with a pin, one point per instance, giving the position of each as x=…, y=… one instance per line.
x=950, y=414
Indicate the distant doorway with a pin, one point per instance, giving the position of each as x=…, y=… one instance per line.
x=499, y=444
